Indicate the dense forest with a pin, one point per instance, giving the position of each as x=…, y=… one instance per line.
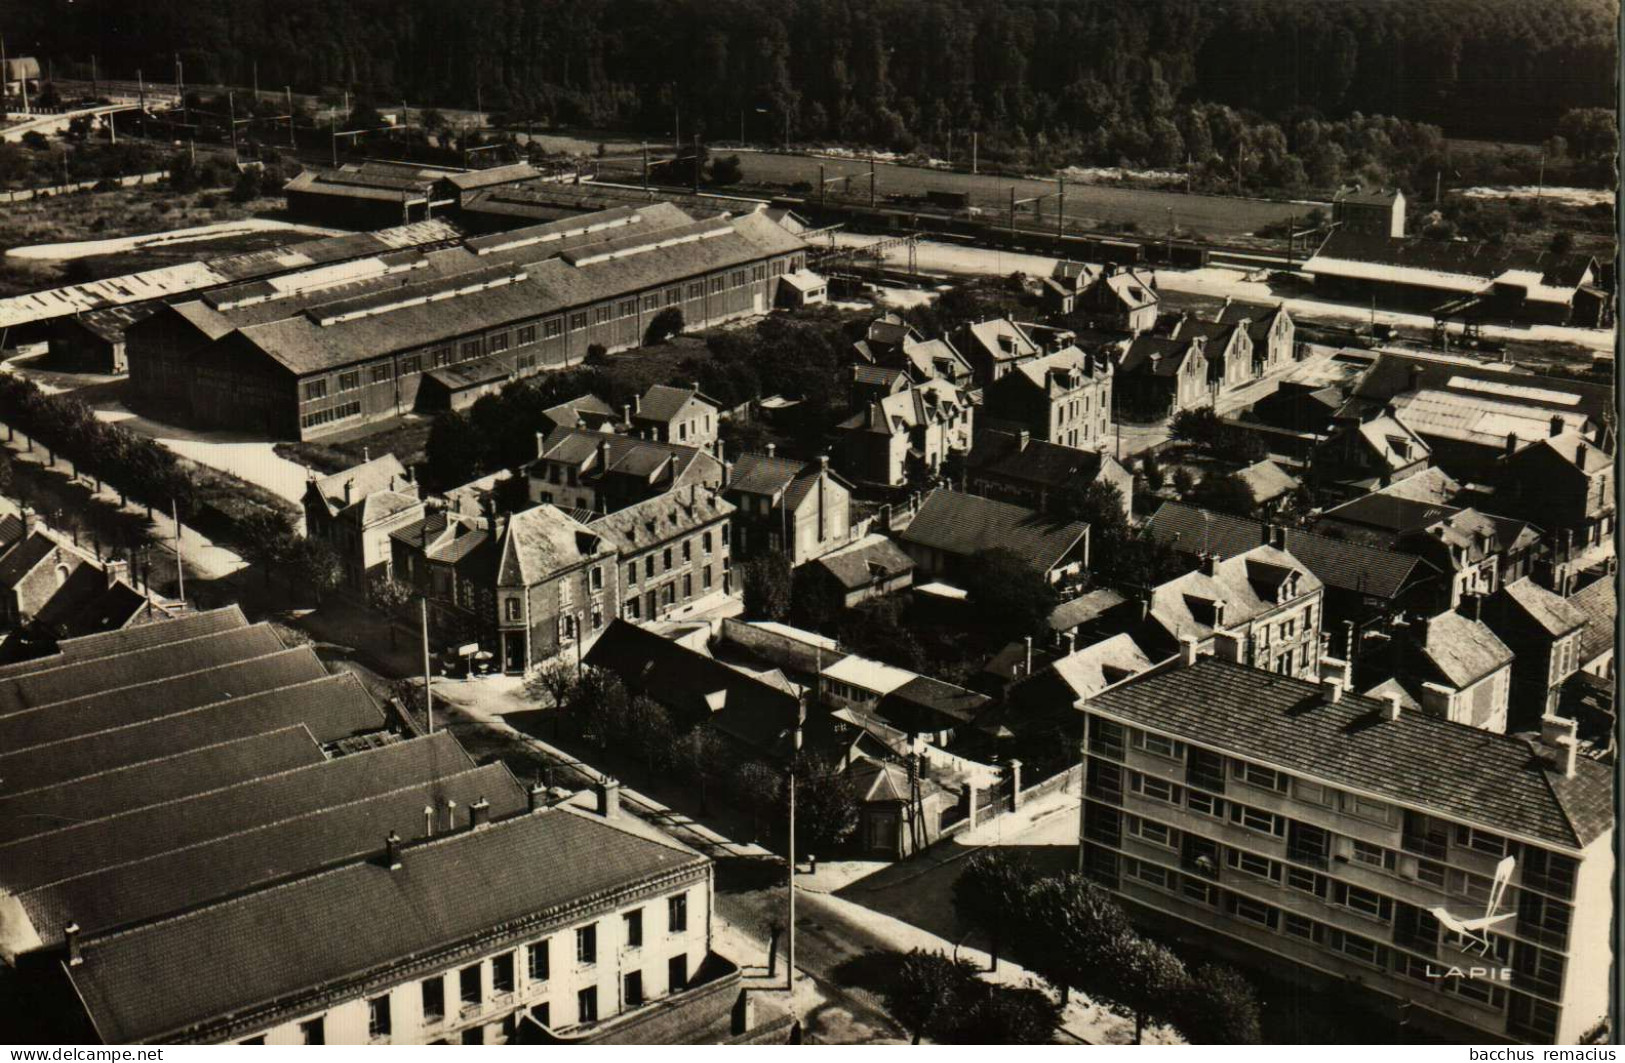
x=894, y=72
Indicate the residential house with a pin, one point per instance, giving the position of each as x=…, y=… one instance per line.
x=994, y=347
x=1067, y=283
x=1017, y=467
x=798, y=507
x=1448, y=665
x=355, y=511
x=1304, y=409
x=884, y=339
x=900, y=811
x=1372, y=212
x=1272, y=487
x=1366, y=586
x=600, y=472
x=872, y=383
x=1565, y=484
x=676, y=415
x=1262, y=608
x=867, y=568
x=33, y=569
x=450, y=557
x=936, y=360
x=557, y=585
x=1599, y=602
x=674, y=552
x=1544, y=633
x=1313, y=834
x=1158, y=377
x=802, y=288
x=1064, y=398
x=913, y=704
x=1478, y=551
x=1270, y=330
x=1124, y=298
x=911, y=432
x=583, y=411
x=1228, y=347
x=1370, y=453
x=951, y=528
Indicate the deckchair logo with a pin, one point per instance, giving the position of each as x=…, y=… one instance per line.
x=1473, y=933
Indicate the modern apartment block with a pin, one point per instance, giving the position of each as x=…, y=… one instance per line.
x=1336, y=839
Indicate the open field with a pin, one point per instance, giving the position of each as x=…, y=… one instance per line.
x=1102, y=205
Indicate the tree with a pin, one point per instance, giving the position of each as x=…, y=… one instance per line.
x=1153, y=472
x=1217, y=1006
x=455, y=452
x=1199, y=427
x=1097, y=503
x=318, y=565
x=1225, y=492
x=1065, y=932
x=1006, y=594
x=726, y=170
x=1184, y=482
x=1141, y=562
x=826, y=803
x=1146, y=979
x=646, y=726
x=928, y=992
x=766, y=584
x=665, y=325
x=756, y=785
x=993, y=884
x=250, y=185
x=266, y=538
x=1005, y=1015
x=554, y=683
x=389, y=596
x=1562, y=242
x=701, y=756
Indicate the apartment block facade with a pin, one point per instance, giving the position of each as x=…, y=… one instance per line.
x=1277, y=819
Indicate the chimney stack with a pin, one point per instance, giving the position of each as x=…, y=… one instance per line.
x=349, y=491
x=609, y=797
x=536, y=797
x=70, y=935
x=1333, y=688
x=366, y=455
x=1557, y=424
x=1391, y=709
x=823, y=463
x=451, y=816
x=1512, y=442
x=1210, y=564
x=1071, y=643
x=1559, y=735
x=479, y=813
x=626, y=414
x=392, y=851
x=637, y=403
x=30, y=521
x=1029, y=641
x=117, y=570
x=770, y=448
x=428, y=821
x=1025, y=438
x=1187, y=651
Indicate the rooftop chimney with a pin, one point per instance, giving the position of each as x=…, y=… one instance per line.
x=609, y=797
x=1512, y=442
x=30, y=521
x=1187, y=651
x=537, y=797
x=626, y=414
x=1029, y=641
x=770, y=448
x=1333, y=688
x=1210, y=564
x=428, y=821
x=1390, y=709
x=1558, y=735
x=451, y=815
x=603, y=455
x=349, y=490
x=479, y=814
x=637, y=403
x=1025, y=438
x=1557, y=424
x=392, y=851
x=823, y=463
x=70, y=935
x=1071, y=643
x=117, y=570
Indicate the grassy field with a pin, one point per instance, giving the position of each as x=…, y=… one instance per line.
x=1104, y=206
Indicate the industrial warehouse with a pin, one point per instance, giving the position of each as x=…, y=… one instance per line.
x=328, y=350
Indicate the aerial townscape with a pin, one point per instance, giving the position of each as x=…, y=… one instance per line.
x=990, y=522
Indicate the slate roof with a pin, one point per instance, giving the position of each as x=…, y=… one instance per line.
x=1598, y=601
x=1337, y=563
x=877, y=375
x=11, y=531
x=927, y=704
x=26, y=556
x=1474, y=776
x=785, y=479
x=135, y=834
x=540, y=542
x=383, y=473
x=662, y=402
x=929, y=402
x=1083, y=609
x=1040, y=463
x=165, y=777
x=885, y=782
x=1461, y=649
x=184, y=878
x=1578, y=451
x=107, y=709
x=1088, y=671
x=625, y=455
x=359, y=920
x=66, y=681
x=964, y=525
x=1267, y=480
x=861, y=563
x=334, y=707
x=1470, y=258
x=1246, y=583
x=1156, y=355
x=1556, y=616
x=583, y=411
x=493, y=175
x=87, y=604
x=660, y=519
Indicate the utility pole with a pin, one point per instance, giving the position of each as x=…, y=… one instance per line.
x=696, y=164
x=973, y=142
x=1540, y=186
x=112, y=130
x=180, y=88
x=428, y=694
x=256, y=82
x=1060, y=210
x=790, y=920
x=141, y=91
x=231, y=115
x=871, y=179
x=676, y=129
x=1438, y=184
x=180, y=569
x=787, y=129
x=288, y=89
x=646, y=167
x=93, y=78
x=1012, y=213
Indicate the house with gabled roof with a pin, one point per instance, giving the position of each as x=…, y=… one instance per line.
x=1228, y=346
x=1123, y=298
x=356, y=509
x=906, y=433
x=1565, y=483
x=1447, y=665
x=802, y=508
x=994, y=347
x=1544, y=633
x=1270, y=329
x=1066, y=283
x=868, y=568
x=1158, y=377
x=1370, y=453
x=1017, y=467
x=951, y=527
x=1064, y=397
x=557, y=586
x=669, y=414
x=602, y=471
x=674, y=553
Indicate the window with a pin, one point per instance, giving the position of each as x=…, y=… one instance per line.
x=1543, y=919
x=705, y=541
x=1363, y=949
x=411, y=364
x=705, y=577
x=651, y=302
x=1255, y=819
x=578, y=321
x=1307, y=845
x=725, y=535
x=1154, y=788
x=1548, y=872
x=1478, y=992
x=649, y=567
x=434, y=999
x=1254, y=912
x=511, y=608
x=633, y=988
x=626, y=308
x=1106, y=738
x=552, y=328
x=378, y=1016
x=1365, y=901
x=1199, y=855
x=495, y=344
x=688, y=585
x=632, y=572
x=1206, y=804
x=1155, y=874
x=381, y=373
x=473, y=1035
x=313, y=1031
x=674, y=296
x=688, y=550
x=634, y=928
x=1253, y=864
x=1538, y=969
x=1205, y=768
x=597, y=578
x=350, y=381
x=1425, y=836
x=1374, y=856
x=1155, y=833
x=1533, y=1020
x=587, y=1005
x=1158, y=745
x=677, y=913
x=665, y=559
x=1196, y=890
x=1301, y=927
x=527, y=335
x=502, y=973
x=1306, y=881
x=315, y=389
x=440, y=356
x=1313, y=793
x=1482, y=840
x=543, y=1014
x=587, y=944
x=715, y=285
x=1263, y=778
x=696, y=290
x=677, y=973
x=469, y=990
x=1430, y=873
x=331, y=414
x=602, y=314
x=537, y=964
